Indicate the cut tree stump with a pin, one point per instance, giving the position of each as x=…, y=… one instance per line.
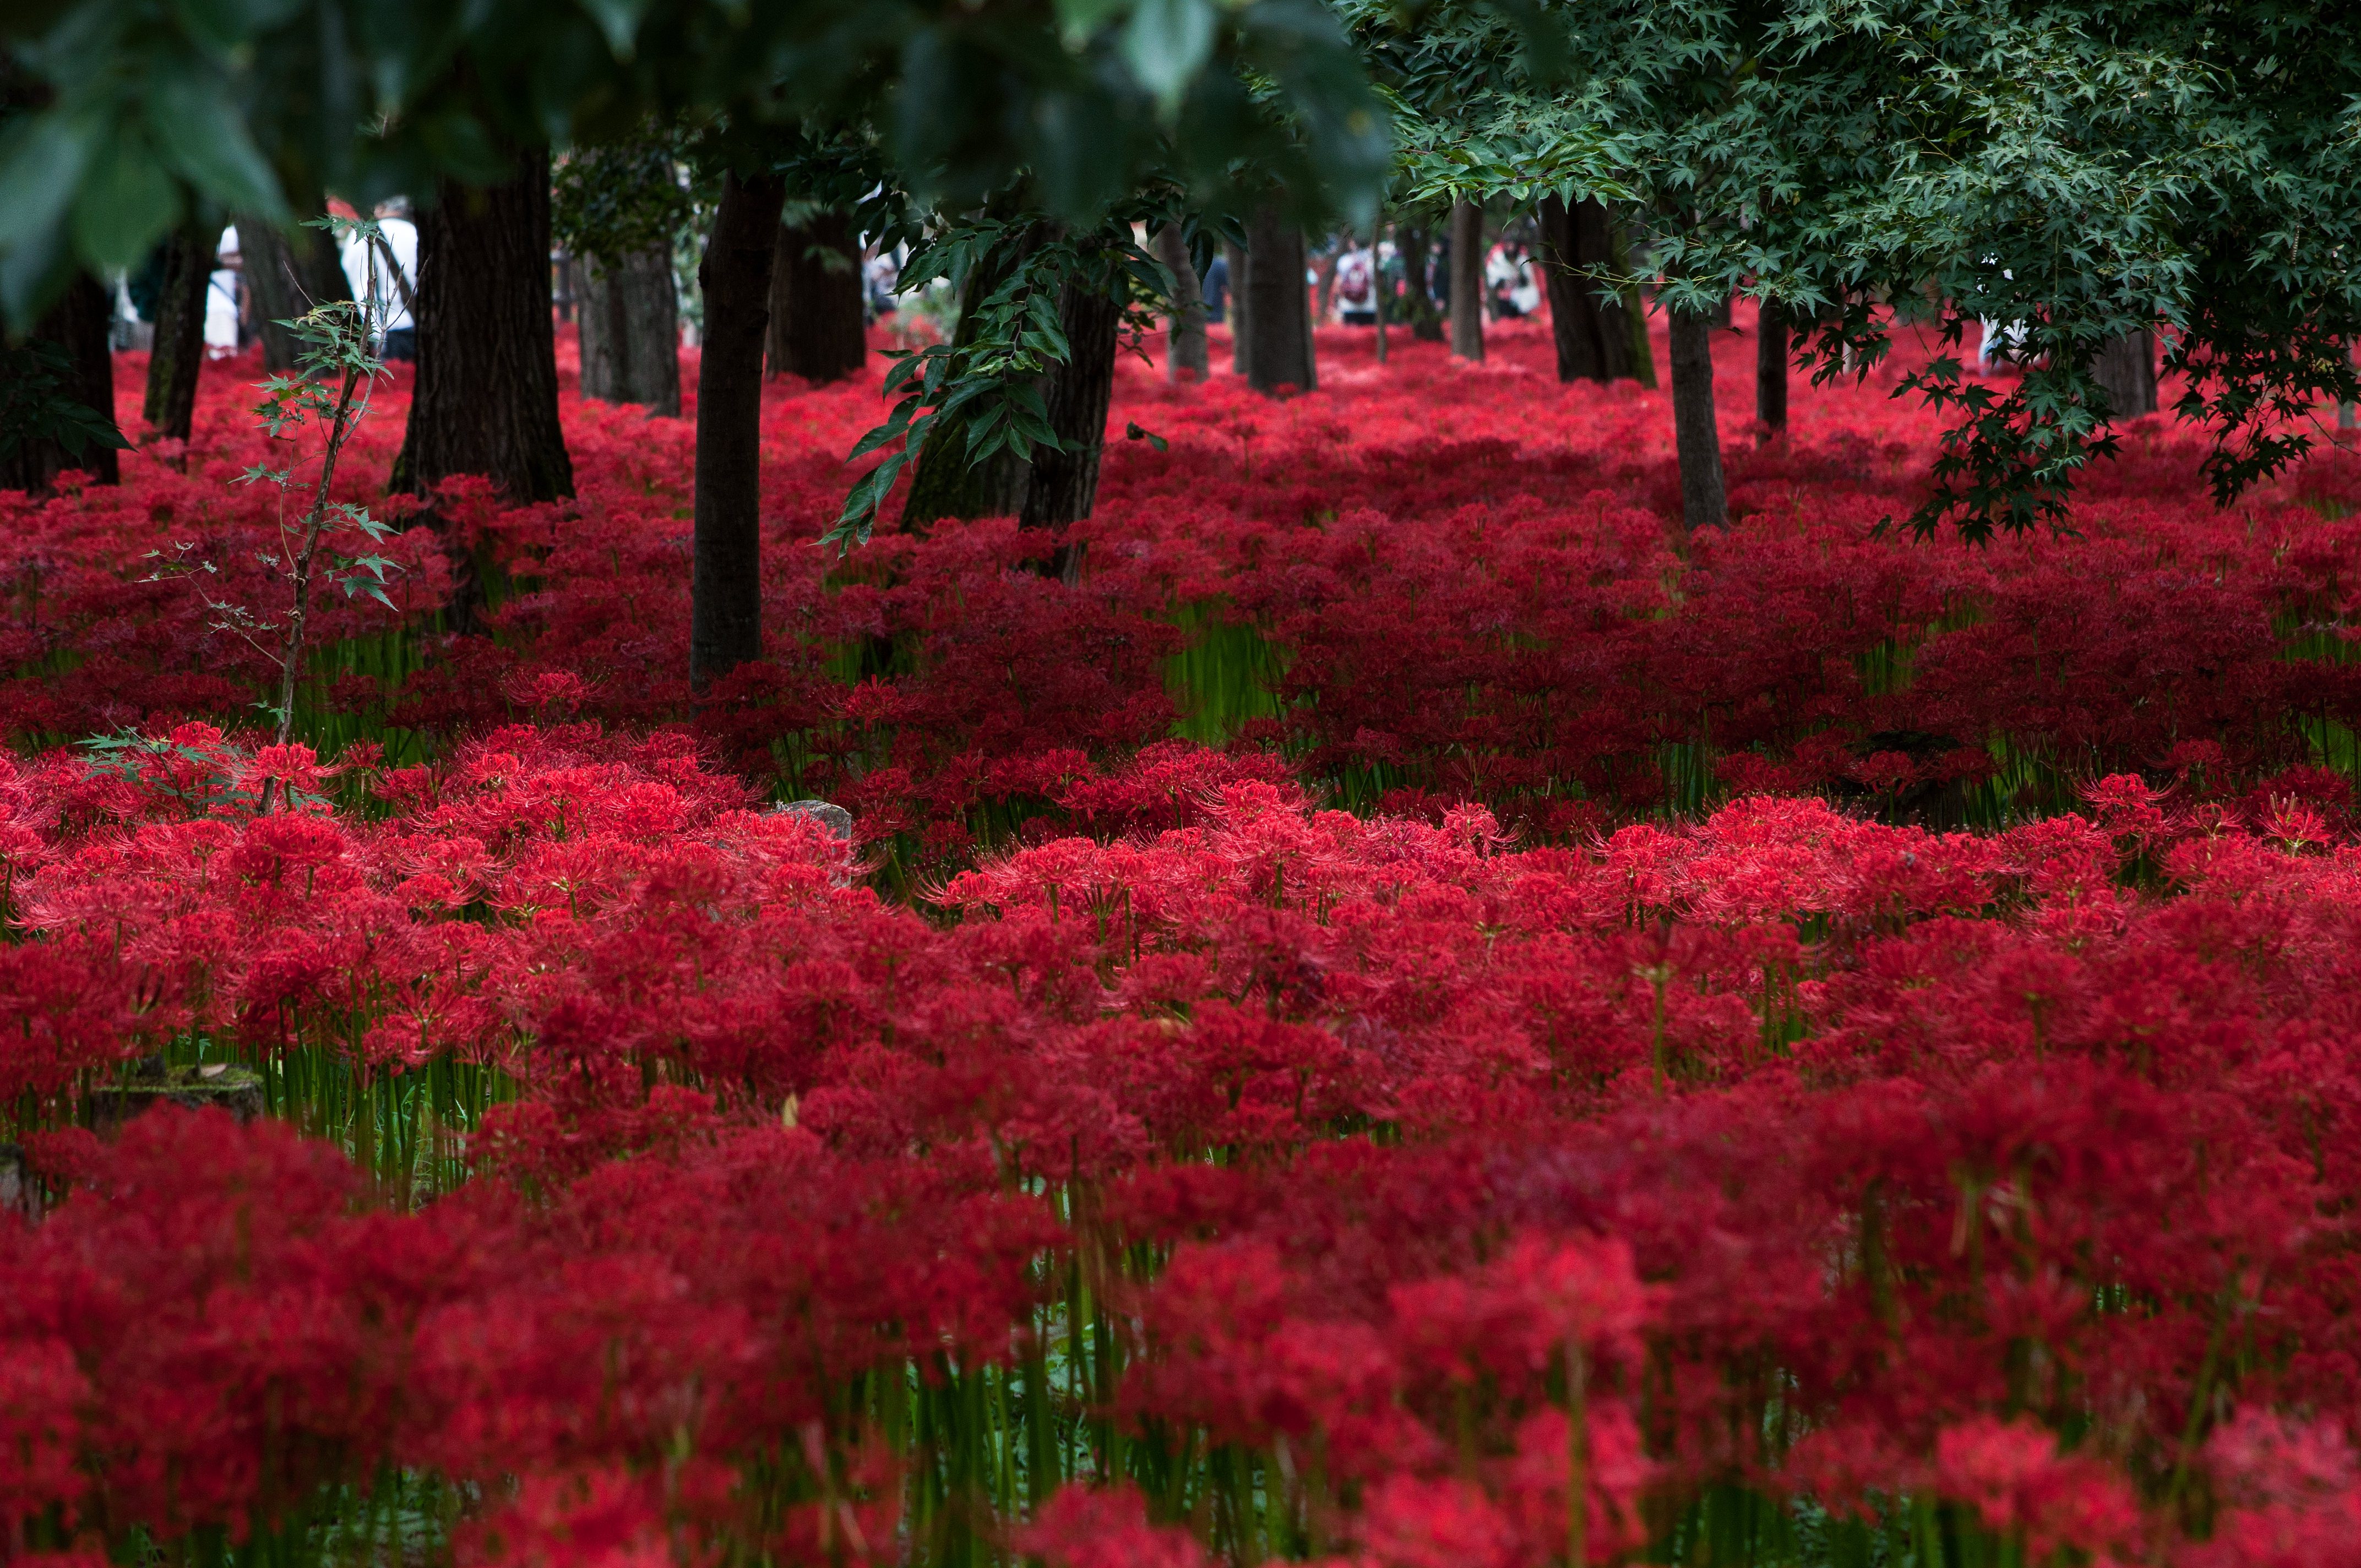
x=235, y=1090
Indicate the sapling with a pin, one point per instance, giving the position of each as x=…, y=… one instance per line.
x=337, y=373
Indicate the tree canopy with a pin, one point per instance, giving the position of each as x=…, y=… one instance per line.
x=136, y=113
x=2085, y=171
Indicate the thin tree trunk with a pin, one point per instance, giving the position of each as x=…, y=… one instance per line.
x=1771, y=372
x=946, y=483
x=726, y=592
x=319, y=261
x=1418, y=279
x=291, y=274
x=2126, y=369
x=630, y=331
x=1593, y=339
x=599, y=331
x=78, y=324
x=1703, y=503
x=1241, y=341
x=1278, y=315
x=277, y=292
x=817, y=327
x=179, y=349
x=1187, y=356
x=1065, y=483
x=1466, y=281
x=486, y=397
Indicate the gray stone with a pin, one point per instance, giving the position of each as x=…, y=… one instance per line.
x=827, y=814
x=235, y=1090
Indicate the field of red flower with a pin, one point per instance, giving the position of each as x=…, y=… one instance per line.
x=1804, y=1047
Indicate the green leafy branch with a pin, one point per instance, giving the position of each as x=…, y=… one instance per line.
x=989, y=388
x=338, y=372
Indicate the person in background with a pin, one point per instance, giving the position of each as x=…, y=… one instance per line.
x=1509, y=285
x=1357, y=284
x=397, y=247
x=225, y=299
x=1217, y=288
x=1525, y=293
x=1996, y=343
x=880, y=276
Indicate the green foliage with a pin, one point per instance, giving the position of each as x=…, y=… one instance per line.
x=988, y=386
x=2087, y=170
x=152, y=110
x=331, y=395
x=198, y=778
x=619, y=199
x=35, y=404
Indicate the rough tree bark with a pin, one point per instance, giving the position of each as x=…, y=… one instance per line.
x=1278, y=315
x=1418, y=283
x=290, y=274
x=1771, y=372
x=1187, y=356
x=1241, y=344
x=1703, y=502
x=1065, y=483
x=726, y=590
x=630, y=331
x=278, y=295
x=171, y=404
x=1466, y=281
x=2126, y=369
x=946, y=483
x=78, y=324
x=486, y=397
x=818, y=329
x=1594, y=339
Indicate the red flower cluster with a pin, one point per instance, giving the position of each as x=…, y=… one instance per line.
x=1342, y=1187
x=1426, y=584
x=1512, y=1174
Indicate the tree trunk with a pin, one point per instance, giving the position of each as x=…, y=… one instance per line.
x=291, y=274
x=78, y=324
x=1279, y=316
x=1186, y=354
x=1466, y=281
x=1241, y=342
x=1594, y=339
x=946, y=483
x=1771, y=372
x=171, y=404
x=1065, y=483
x=1635, y=311
x=1702, y=504
x=631, y=332
x=2126, y=369
x=818, y=328
x=278, y=296
x=726, y=592
x=1418, y=280
x=486, y=397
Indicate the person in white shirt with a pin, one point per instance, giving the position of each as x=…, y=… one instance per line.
x=1508, y=282
x=1526, y=292
x=397, y=249
x=221, y=297
x=1357, y=285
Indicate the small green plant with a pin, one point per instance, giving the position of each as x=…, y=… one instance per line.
x=338, y=372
